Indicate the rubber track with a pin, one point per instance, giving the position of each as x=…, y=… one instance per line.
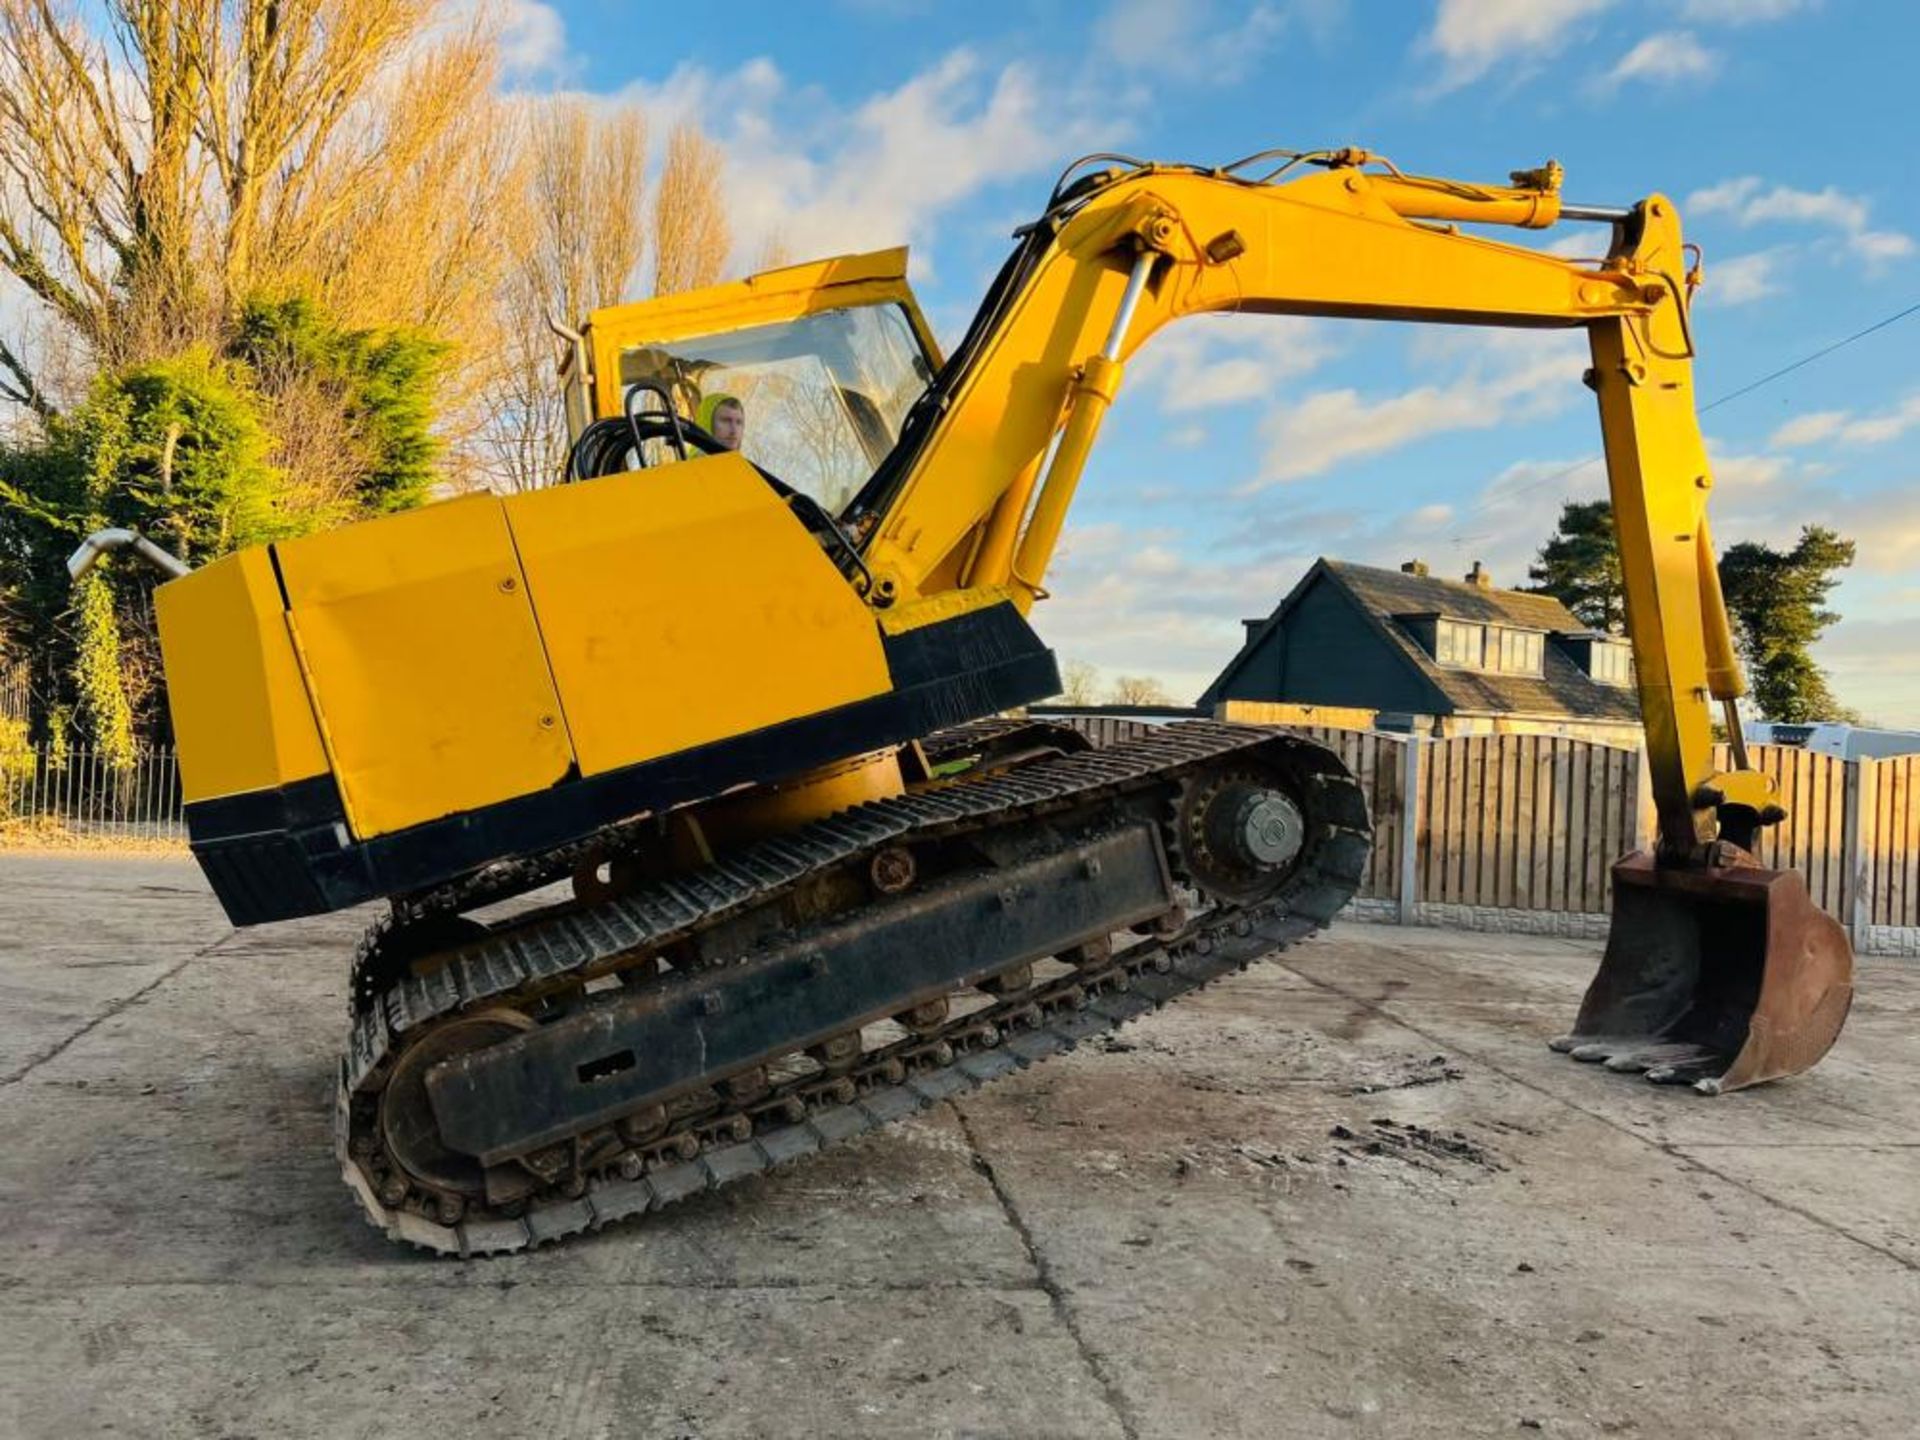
x=1222, y=941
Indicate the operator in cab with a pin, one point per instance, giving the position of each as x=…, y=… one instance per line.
x=724, y=418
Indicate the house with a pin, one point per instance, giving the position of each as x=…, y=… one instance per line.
x=1365, y=648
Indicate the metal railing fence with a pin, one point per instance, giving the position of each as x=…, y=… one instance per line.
x=83, y=791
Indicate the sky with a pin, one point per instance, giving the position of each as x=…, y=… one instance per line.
x=1243, y=447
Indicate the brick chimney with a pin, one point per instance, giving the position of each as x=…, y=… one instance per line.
x=1478, y=576
x=1414, y=567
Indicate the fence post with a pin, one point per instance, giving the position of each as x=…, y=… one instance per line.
x=1859, y=842
x=1410, y=819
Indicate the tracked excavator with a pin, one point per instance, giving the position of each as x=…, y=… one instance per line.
x=694, y=787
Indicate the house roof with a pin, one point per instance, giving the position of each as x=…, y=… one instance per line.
x=1563, y=689
x=1395, y=592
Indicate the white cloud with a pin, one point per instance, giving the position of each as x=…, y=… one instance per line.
x=533, y=37
x=1846, y=427
x=1808, y=429
x=1535, y=375
x=1873, y=662
x=1664, y=58
x=1131, y=601
x=1186, y=42
x=1749, y=201
x=1472, y=36
x=1581, y=243
x=1889, y=425
x=1738, y=477
x=1884, y=523
x=1750, y=204
x=1880, y=245
x=1508, y=521
x=1502, y=526
x=1741, y=280
x=1209, y=361
x=826, y=178
x=1741, y=12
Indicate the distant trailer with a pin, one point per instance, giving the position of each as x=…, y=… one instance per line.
x=1843, y=742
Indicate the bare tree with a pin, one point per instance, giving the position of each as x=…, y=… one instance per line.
x=1079, y=683
x=582, y=236
x=158, y=172
x=585, y=229
x=1139, y=690
x=691, y=240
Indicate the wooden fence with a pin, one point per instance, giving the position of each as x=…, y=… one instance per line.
x=1822, y=827
x=1524, y=822
x=1535, y=822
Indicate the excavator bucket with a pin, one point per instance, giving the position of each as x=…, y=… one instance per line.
x=1719, y=978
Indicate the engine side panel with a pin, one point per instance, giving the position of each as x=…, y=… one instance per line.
x=424, y=663
x=241, y=718
x=684, y=605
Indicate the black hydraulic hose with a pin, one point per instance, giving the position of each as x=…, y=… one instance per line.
x=676, y=433
x=925, y=413
x=1035, y=239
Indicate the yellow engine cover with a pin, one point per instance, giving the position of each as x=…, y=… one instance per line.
x=685, y=605
x=424, y=664
x=481, y=649
x=241, y=718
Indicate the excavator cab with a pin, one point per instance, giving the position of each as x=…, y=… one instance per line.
x=825, y=359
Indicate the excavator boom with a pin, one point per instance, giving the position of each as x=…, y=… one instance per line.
x=741, y=698
x=1717, y=972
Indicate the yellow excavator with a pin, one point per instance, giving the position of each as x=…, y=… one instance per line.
x=695, y=786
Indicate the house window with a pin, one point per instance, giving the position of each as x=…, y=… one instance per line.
x=1521, y=652
x=1458, y=643
x=1611, y=664
x=1495, y=648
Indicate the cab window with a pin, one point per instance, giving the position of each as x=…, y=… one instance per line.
x=820, y=399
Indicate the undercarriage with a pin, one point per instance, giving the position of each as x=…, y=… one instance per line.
x=511, y=1082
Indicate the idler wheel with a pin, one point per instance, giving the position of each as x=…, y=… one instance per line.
x=407, y=1121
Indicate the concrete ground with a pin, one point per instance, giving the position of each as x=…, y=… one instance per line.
x=1347, y=1194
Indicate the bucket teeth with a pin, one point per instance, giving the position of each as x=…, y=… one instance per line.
x=1691, y=1072
x=1659, y=1059
x=1593, y=1049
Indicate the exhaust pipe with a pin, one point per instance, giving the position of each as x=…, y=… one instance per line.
x=97, y=546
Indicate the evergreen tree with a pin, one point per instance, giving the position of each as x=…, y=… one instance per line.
x=1777, y=600
x=207, y=453
x=1580, y=566
x=382, y=385
x=175, y=449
